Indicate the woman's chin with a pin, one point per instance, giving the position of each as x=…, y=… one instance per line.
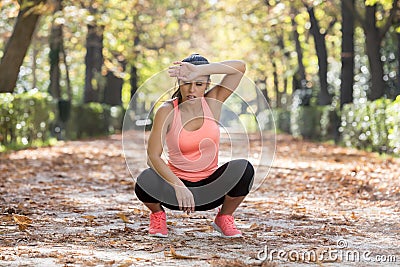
x=191, y=99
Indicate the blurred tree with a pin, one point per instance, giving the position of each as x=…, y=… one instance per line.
x=374, y=34
x=299, y=79
x=347, y=70
x=55, y=40
x=160, y=28
x=18, y=44
x=114, y=82
x=94, y=56
x=398, y=59
x=324, y=97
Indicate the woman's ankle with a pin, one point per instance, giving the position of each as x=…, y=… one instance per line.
x=154, y=207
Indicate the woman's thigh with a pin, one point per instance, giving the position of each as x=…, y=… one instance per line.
x=226, y=179
x=208, y=193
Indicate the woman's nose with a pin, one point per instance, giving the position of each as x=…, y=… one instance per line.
x=192, y=87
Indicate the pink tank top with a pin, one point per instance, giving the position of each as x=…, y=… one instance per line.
x=193, y=155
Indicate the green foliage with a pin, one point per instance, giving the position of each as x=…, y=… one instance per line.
x=25, y=119
x=29, y=119
x=313, y=122
x=393, y=125
x=94, y=119
x=249, y=122
x=372, y=125
x=355, y=125
x=282, y=120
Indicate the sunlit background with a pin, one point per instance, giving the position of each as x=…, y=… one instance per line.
x=90, y=57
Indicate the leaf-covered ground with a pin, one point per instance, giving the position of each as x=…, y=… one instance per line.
x=74, y=205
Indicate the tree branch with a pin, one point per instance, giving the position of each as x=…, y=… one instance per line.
x=331, y=24
x=390, y=20
x=357, y=14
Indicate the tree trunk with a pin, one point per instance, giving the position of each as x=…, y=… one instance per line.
x=347, y=71
x=16, y=48
x=113, y=88
x=299, y=79
x=34, y=65
x=262, y=86
x=94, y=62
x=134, y=86
x=373, y=43
x=69, y=89
x=324, y=97
x=398, y=64
x=54, y=55
x=276, y=86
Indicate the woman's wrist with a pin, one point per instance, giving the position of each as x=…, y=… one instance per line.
x=178, y=183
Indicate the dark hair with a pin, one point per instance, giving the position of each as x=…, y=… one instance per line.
x=195, y=59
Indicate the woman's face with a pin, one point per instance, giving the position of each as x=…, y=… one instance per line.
x=193, y=89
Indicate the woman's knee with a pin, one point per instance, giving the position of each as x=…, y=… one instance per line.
x=243, y=186
x=144, y=186
x=145, y=175
x=145, y=180
x=246, y=169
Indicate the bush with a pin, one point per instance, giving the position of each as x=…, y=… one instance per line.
x=393, y=125
x=313, y=122
x=282, y=120
x=93, y=119
x=355, y=126
x=25, y=118
x=32, y=119
x=372, y=126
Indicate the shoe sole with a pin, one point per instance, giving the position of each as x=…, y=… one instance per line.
x=216, y=227
x=159, y=235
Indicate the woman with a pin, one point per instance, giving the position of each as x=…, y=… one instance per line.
x=191, y=180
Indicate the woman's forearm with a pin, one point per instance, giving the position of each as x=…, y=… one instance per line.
x=224, y=67
x=158, y=164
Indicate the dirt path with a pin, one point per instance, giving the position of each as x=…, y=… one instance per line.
x=320, y=204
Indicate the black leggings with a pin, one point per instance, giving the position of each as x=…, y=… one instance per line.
x=234, y=179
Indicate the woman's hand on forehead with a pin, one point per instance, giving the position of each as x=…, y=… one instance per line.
x=185, y=71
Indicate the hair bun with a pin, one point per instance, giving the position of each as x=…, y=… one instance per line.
x=196, y=59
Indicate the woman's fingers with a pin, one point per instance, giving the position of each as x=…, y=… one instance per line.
x=177, y=71
x=173, y=72
x=185, y=199
x=180, y=70
x=188, y=204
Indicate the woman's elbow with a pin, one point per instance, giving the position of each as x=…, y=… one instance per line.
x=151, y=159
x=242, y=66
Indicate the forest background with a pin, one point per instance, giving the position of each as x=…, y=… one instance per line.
x=329, y=70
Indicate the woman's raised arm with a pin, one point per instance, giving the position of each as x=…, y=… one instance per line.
x=233, y=70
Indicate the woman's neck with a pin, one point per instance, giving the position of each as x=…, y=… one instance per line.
x=194, y=107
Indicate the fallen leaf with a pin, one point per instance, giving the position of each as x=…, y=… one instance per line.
x=123, y=217
x=157, y=248
x=21, y=219
x=179, y=256
x=90, y=218
x=126, y=263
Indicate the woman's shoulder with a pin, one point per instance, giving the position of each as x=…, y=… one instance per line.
x=167, y=105
x=165, y=108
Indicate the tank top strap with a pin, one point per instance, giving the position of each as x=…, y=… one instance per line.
x=206, y=109
x=176, y=121
x=175, y=102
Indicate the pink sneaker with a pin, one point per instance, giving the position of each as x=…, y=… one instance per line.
x=225, y=224
x=158, y=224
